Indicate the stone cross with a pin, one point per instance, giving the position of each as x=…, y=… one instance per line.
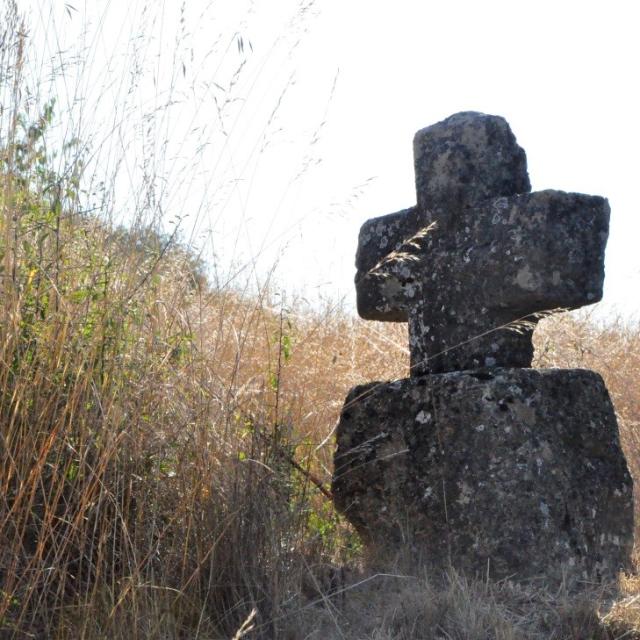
x=475, y=262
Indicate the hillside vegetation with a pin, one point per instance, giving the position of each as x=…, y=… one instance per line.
x=166, y=444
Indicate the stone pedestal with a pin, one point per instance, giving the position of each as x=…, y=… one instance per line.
x=514, y=472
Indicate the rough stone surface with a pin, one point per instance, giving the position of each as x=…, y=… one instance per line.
x=478, y=252
x=464, y=160
x=512, y=258
x=477, y=461
x=514, y=471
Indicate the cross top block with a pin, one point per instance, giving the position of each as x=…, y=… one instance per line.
x=465, y=160
x=479, y=251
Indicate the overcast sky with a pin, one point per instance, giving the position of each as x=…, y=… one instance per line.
x=277, y=128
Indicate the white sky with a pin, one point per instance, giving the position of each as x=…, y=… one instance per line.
x=359, y=78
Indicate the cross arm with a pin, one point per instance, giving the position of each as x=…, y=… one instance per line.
x=529, y=252
x=378, y=238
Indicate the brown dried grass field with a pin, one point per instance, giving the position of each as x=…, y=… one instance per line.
x=166, y=443
x=166, y=454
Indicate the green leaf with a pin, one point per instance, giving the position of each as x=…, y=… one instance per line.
x=80, y=295
x=286, y=347
x=72, y=471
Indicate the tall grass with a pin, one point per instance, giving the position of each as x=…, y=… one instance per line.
x=165, y=442
x=166, y=439
x=151, y=478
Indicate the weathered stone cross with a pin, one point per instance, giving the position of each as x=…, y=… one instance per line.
x=479, y=251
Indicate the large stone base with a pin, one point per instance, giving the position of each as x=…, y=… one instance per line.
x=514, y=472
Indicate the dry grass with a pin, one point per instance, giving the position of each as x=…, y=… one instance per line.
x=165, y=447
x=402, y=607
x=166, y=444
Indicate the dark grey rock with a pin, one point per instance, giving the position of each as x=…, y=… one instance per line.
x=518, y=472
x=478, y=252
x=510, y=258
x=472, y=463
x=464, y=160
